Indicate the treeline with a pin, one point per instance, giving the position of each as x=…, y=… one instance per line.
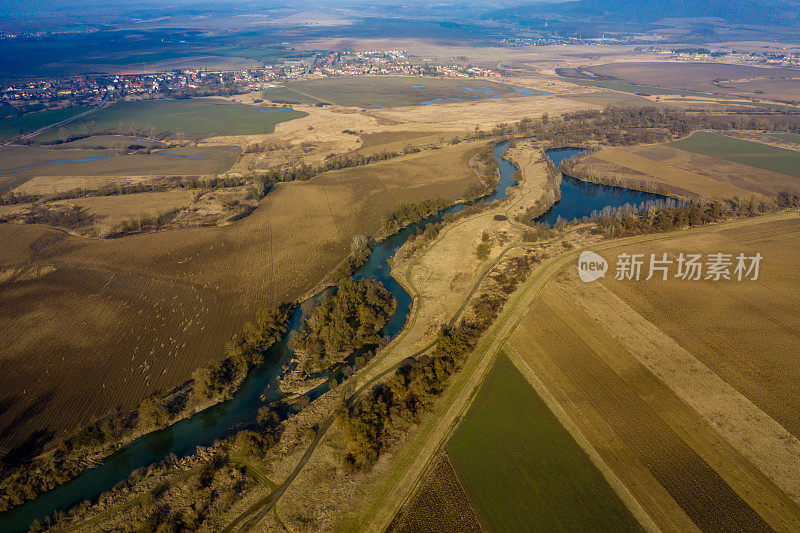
x=653, y=216
x=63, y=215
x=245, y=351
x=395, y=405
x=360, y=248
x=570, y=167
x=350, y=320
x=143, y=224
x=119, y=189
x=95, y=441
x=189, y=494
x=635, y=125
x=411, y=213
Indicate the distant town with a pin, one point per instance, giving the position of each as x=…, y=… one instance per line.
x=90, y=89
x=43, y=93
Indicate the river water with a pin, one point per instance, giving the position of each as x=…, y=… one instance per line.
x=578, y=199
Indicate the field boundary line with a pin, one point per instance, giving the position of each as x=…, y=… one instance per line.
x=729, y=460
x=617, y=485
x=508, y=320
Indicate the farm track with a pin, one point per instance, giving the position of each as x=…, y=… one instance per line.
x=32, y=134
x=440, y=424
x=649, y=420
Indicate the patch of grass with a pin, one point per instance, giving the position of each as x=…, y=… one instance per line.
x=195, y=119
x=522, y=469
x=749, y=153
x=17, y=125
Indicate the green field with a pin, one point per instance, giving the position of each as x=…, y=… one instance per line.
x=522, y=469
x=13, y=126
x=390, y=91
x=196, y=119
x=754, y=154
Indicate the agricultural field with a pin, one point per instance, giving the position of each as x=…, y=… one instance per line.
x=24, y=162
x=117, y=320
x=467, y=115
x=195, y=119
x=384, y=92
x=715, y=78
x=690, y=409
x=109, y=211
x=624, y=87
x=396, y=141
x=692, y=174
x=440, y=505
x=11, y=126
x=521, y=468
x=753, y=154
x=396, y=138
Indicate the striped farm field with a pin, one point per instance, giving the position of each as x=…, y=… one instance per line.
x=91, y=325
x=690, y=408
x=521, y=468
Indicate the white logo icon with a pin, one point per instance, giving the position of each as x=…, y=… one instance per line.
x=591, y=266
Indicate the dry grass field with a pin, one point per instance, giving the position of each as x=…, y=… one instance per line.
x=461, y=116
x=117, y=320
x=685, y=391
x=112, y=210
x=396, y=141
x=688, y=173
x=610, y=98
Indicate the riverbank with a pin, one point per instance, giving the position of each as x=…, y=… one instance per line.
x=490, y=227
x=442, y=275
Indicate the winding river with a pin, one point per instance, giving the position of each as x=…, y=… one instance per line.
x=578, y=199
